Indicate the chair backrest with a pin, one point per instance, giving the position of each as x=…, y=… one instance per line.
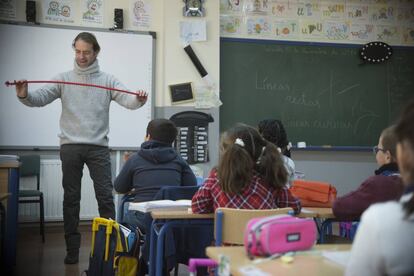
x=229, y=223
x=176, y=192
x=30, y=166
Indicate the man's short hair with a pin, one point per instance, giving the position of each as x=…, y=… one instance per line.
x=162, y=130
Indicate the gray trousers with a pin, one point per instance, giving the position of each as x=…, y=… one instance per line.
x=97, y=158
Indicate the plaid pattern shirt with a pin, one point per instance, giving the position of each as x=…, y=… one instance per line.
x=257, y=195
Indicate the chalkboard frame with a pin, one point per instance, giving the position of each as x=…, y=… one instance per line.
x=365, y=148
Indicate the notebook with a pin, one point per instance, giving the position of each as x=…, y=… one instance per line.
x=148, y=206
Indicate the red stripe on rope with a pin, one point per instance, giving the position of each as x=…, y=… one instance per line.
x=8, y=83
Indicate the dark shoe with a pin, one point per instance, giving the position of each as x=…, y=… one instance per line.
x=72, y=258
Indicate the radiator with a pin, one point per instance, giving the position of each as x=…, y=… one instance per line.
x=51, y=186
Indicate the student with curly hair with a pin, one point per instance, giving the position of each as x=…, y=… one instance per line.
x=274, y=132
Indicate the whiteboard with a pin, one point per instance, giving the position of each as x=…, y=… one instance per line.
x=39, y=52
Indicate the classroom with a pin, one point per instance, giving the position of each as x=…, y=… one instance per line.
x=336, y=73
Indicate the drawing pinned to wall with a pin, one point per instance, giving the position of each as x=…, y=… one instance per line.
x=230, y=24
x=58, y=11
x=230, y=6
x=388, y=33
x=405, y=14
x=92, y=12
x=256, y=6
x=283, y=8
x=382, y=13
x=308, y=9
x=258, y=26
x=361, y=32
x=311, y=28
x=343, y=21
x=357, y=12
x=336, y=30
x=194, y=30
x=8, y=9
x=408, y=35
x=333, y=10
x=140, y=13
x=286, y=28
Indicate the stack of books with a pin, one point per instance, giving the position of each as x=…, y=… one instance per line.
x=160, y=205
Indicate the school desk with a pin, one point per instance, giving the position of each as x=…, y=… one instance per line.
x=318, y=214
x=9, y=183
x=307, y=263
x=162, y=222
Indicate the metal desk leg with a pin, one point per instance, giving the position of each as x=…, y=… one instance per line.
x=153, y=240
x=325, y=225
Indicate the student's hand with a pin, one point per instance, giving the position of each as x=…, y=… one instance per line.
x=21, y=88
x=142, y=96
x=127, y=155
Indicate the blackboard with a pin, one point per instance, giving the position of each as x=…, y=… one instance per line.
x=39, y=52
x=322, y=93
x=181, y=93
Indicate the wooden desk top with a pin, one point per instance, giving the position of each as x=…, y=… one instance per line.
x=311, y=263
x=4, y=196
x=307, y=212
x=316, y=212
x=183, y=214
x=9, y=164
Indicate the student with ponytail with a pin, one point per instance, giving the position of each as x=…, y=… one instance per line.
x=384, y=243
x=250, y=175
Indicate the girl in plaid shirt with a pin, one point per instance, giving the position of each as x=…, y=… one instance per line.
x=250, y=175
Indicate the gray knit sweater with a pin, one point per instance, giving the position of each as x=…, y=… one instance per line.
x=85, y=110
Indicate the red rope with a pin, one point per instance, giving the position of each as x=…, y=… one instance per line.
x=8, y=83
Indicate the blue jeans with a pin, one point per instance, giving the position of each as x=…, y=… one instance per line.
x=97, y=158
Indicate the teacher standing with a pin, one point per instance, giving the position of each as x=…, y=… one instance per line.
x=84, y=126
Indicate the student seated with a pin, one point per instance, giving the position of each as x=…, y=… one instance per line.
x=385, y=185
x=154, y=165
x=274, y=132
x=384, y=243
x=250, y=175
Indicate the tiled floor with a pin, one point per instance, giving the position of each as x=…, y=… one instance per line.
x=37, y=258
x=46, y=259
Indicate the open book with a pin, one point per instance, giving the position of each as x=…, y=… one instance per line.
x=148, y=206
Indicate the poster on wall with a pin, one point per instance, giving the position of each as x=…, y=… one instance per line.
x=92, y=12
x=58, y=11
x=140, y=13
x=8, y=9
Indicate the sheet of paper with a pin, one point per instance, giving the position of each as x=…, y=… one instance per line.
x=193, y=31
x=205, y=97
x=306, y=211
x=338, y=257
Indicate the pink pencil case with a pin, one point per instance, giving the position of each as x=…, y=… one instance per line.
x=267, y=236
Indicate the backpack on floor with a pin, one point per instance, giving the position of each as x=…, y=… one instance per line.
x=115, y=249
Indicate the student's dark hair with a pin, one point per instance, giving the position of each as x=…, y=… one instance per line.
x=88, y=38
x=162, y=130
x=389, y=141
x=404, y=130
x=274, y=131
x=243, y=151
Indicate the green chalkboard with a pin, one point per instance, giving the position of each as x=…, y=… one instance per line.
x=322, y=93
